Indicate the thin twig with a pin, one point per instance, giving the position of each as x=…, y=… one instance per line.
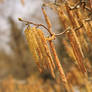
x=38, y=25
x=67, y=30
x=29, y=22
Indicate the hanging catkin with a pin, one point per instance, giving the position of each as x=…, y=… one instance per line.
x=39, y=49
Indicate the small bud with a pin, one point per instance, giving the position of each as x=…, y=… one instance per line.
x=20, y=19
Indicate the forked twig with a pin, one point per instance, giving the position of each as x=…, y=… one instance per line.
x=29, y=22
x=38, y=25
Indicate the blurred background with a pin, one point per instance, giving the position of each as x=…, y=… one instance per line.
x=15, y=58
x=14, y=54
x=16, y=61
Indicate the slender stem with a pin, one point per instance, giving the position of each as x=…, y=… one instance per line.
x=29, y=22
x=63, y=32
x=59, y=66
x=38, y=25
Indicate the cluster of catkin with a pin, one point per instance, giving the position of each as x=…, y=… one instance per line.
x=40, y=50
x=41, y=53
x=72, y=20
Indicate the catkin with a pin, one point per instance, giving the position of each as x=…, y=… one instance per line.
x=39, y=49
x=87, y=26
x=50, y=60
x=44, y=56
x=72, y=36
x=46, y=18
x=59, y=66
x=32, y=45
x=69, y=49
